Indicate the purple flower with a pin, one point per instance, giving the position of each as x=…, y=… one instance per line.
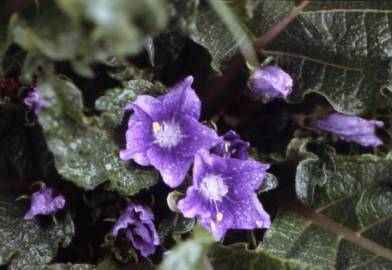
x=351, y=128
x=43, y=202
x=137, y=221
x=164, y=132
x=271, y=82
x=223, y=194
x=34, y=101
x=232, y=146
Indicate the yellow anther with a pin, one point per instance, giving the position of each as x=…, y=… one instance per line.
x=219, y=216
x=155, y=125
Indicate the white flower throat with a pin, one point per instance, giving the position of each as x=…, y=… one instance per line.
x=166, y=134
x=214, y=189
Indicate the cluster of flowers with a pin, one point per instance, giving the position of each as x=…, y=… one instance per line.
x=165, y=132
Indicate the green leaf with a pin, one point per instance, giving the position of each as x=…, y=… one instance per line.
x=238, y=257
x=338, y=50
x=200, y=252
x=356, y=195
x=122, y=69
x=341, y=52
x=191, y=254
x=213, y=34
x=113, y=102
x=28, y=243
x=60, y=266
x=182, y=16
x=84, y=153
x=84, y=31
x=255, y=17
x=270, y=182
x=170, y=229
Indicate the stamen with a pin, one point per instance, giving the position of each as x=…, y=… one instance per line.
x=167, y=134
x=219, y=216
x=155, y=125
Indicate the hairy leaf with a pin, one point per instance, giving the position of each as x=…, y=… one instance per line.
x=338, y=50
x=83, y=31
x=65, y=267
x=238, y=257
x=28, y=243
x=255, y=17
x=191, y=254
x=341, y=51
x=355, y=194
x=84, y=153
x=113, y=102
x=123, y=70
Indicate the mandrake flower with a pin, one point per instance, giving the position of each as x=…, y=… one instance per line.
x=43, y=202
x=271, y=82
x=164, y=132
x=35, y=102
x=137, y=221
x=223, y=194
x=351, y=128
x=232, y=146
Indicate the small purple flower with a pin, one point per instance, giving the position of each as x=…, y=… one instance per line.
x=232, y=146
x=43, y=202
x=137, y=221
x=223, y=194
x=351, y=128
x=164, y=132
x=271, y=82
x=34, y=101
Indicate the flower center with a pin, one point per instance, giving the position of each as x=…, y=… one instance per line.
x=167, y=134
x=213, y=188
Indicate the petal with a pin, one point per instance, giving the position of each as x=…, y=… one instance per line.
x=248, y=213
x=194, y=205
x=145, y=213
x=123, y=222
x=219, y=228
x=364, y=140
x=196, y=136
x=245, y=175
x=138, y=115
x=172, y=167
x=139, y=138
x=153, y=107
x=145, y=248
x=206, y=163
x=182, y=99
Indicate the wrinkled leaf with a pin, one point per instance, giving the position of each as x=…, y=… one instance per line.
x=182, y=15
x=356, y=195
x=123, y=70
x=255, y=17
x=113, y=102
x=338, y=50
x=238, y=257
x=168, y=229
x=191, y=254
x=84, y=154
x=83, y=31
x=65, y=267
x=28, y=243
x=270, y=182
x=341, y=53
